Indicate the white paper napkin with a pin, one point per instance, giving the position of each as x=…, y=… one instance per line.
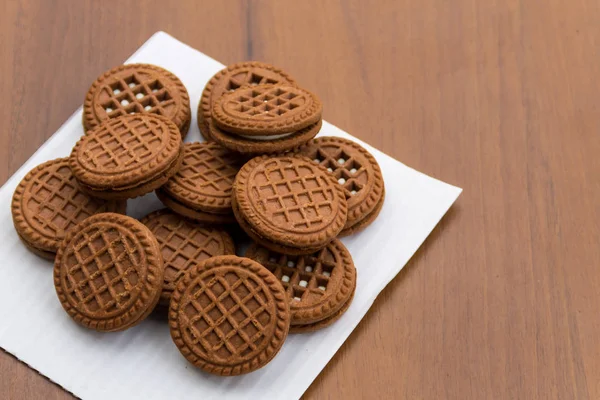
x=142, y=362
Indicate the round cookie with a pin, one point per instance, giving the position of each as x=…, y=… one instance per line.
x=317, y=285
x=108, y=272
x=183, y=244
x=264, y=144
x=356, y=170
x=127, y=156
x=134, y=89
x=229, y=315
x=48, y=202
x=265, y=110
x=288, y=203
x=231, y=78
x=204, y=181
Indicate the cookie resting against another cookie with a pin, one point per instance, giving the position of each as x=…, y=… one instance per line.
x=233, y=77
x=48, y=202
x=320, y=286
x=137, y=89
x=108, y=272
x=289, y=204
x=229, y=315
x=127, y=157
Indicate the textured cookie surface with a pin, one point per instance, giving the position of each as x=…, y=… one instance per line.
x=205, y=178
x=317, y=285
x=234, y=77
x=137, y=88
x=108, y=272
x=315, y=326
x=126, y=152
x=183, y=244
x=47, y=203
x=266, y=110
x=229, y=315
x=290, y=200
x=354, y=168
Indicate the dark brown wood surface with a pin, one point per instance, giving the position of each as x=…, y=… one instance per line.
x=499, y=97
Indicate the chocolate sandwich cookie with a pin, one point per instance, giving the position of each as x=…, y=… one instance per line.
x=48, y=202
x=183, y=244
x=234, y=77
x=135, y=89
x=229, y=315
x=108, y=272
x=127, y=156
x=288, y=204
x=318, y=285
x=357, y=171
x=201, y=189
x=265, y=118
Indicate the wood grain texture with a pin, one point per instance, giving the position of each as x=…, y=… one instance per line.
x=498, y=97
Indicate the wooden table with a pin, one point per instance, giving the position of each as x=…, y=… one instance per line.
x=498, y=97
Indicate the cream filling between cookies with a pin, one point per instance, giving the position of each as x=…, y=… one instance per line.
x=266, y=138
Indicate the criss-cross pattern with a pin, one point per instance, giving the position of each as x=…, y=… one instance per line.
x=207, y=169
x=227, y=315
x=183, y=245
x=292, y=195
x=267, y=102
x=348, y=171
x=137, y=93
x=305, y=278
x=55, y=202
x=250, y=78
x=124, y=142
x=102, y=270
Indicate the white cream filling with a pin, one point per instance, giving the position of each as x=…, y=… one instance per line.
x=264, y=138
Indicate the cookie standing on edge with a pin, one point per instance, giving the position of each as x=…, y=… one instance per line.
x=127, y=156
x=231, y=78
x=137, y=88
x=288, y=204
x=201, y=189
x=229, y=315
x=47, y=203
x=183, y=244
x=108, y=272
x=319, y=286
x=357, y=171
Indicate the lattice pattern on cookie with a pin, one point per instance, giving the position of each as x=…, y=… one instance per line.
x=183, y=245
x=102, y=270
x=251, y=78
x=124, y=142
x=348, y=171
x=227, y=315
x=207, y=170
x=305, y=278
x=137, y=93
x=56, y=203
x=292, y=196
x=268, y=102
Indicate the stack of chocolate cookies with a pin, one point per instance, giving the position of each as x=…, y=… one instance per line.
x=260, y=174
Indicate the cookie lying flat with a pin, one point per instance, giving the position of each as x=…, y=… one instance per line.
x=357, y=171
x=201, y=189
x=127, y=156
x=234, y=77
x=48, y=202
x=134, y=89
x=183, y=244
x=229, y=315
x=318, y=285
x=108, y=272
x=265, y=118
x=288, y=204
